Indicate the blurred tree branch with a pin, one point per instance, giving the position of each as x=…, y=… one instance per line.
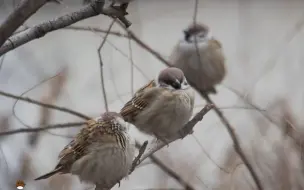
x=63, y=109
x=95, y=29
x=56, y=86
x=93, y=9
x=21, y=13
x=43, y=128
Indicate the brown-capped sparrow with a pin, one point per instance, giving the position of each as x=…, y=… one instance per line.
x=206, y=67
x=102, y=152
x=163, y=106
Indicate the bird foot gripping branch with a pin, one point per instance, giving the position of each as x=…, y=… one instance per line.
x=107, y=7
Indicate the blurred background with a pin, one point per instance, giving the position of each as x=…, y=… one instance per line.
x=263, y=41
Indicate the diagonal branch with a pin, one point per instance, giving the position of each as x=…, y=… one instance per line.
x=38, y=31
x=21, y=13
x=96, y=29
x=63, y=109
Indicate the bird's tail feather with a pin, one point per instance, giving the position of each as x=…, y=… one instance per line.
x=49, y=174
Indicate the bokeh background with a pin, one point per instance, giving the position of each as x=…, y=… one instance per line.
x=263, y=41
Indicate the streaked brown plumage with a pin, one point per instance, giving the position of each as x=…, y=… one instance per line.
x=161, y=107
x=205, y=70
x=101, y=153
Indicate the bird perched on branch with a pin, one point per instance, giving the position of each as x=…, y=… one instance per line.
x=200, y=56
x=163, y=106
x=102, y=152
x=109, y=5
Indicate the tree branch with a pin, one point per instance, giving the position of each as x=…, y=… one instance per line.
x=81, y=28
x=38, y=31
x=63, y=109
x=44, y=128
x=21, y=13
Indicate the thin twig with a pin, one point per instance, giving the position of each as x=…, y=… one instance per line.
x=28, y=90
x=145, y=46
x=21, y=13
x=209, y=157
x=2, y=62
x=101, y=66
x=141, y=151
x=195, y=39
x=56, y=86
x=132, y=66
x=81, y=28
x=63, y=109
x=38, y=31
x=44, y=128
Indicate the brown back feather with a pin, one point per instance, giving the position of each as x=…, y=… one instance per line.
x=138, y=102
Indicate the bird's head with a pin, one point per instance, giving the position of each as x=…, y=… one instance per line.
x=199, y=31
x=115, y=120
x=172, y=78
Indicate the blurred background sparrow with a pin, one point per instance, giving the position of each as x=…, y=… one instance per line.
x=203, y=66
x=102, y=152
x=163, y=106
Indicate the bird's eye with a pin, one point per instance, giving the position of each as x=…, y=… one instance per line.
x=176, y=85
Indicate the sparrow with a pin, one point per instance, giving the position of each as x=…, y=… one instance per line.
x=109, y=5
x=101, y=153
x=203, y=66
x=161, y=107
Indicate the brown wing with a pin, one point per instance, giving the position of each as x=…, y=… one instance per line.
x=138, y=102
x=78, y=146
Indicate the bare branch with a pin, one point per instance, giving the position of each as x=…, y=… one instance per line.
x=30, y=89
x=44, y=128
x=38, y=31
x=63, y=109
x=22, y=12
x=145, y=46
x=81, y=28
x=2, y=62
x=101, y=65
x=56, y=86
x=132, y=66
x=141, y=151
